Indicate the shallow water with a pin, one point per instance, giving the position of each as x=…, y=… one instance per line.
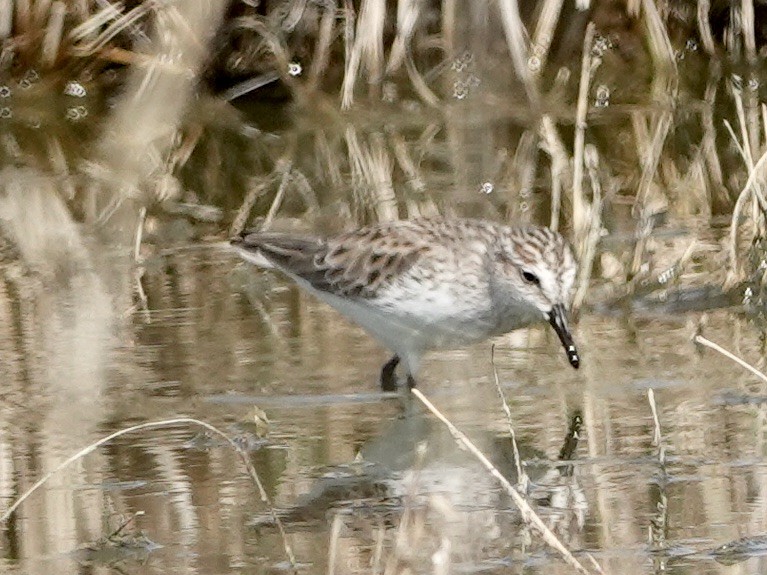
x=221, y=338
x=364, y=482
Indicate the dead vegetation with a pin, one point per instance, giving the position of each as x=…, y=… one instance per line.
x=399, y=111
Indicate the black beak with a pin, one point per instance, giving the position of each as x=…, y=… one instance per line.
x=558, y=320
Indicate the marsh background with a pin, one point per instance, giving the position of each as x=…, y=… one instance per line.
x=137, y=136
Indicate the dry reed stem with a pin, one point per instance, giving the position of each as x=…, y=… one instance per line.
x=587, y=245
x=328, y=160
x=90, y=26
x=305, y=189
x=588, y=66
x=156, y=425
x=335, y=533
x=23, y=17
x=524, y=166
x=279, y=196
x=419, y=83
x=659, y=522
x=516, y=39
x=371, y=175
x=40, y=11
x=544, y=31
x=423, y=205
x=561, y=173
x=656, y=439
x=53, y=33
x=378, y=550
x=661, y=50
x=665, y=86
x=367, y=49
x=136, y=31
x=704, y=27
x=746, y=147
x=243, y=213
x=121, y=23
x=750, y=188
x=139, y=267
x=279, y=50
x=597, y=567
x=752, y=116
x=729, y=355
x=649, y=158
x=408, y=13
x=293, y=16
x=321, y=55
x=522, y=479
x=379, y=175
x=414, y=179
x=144, y=123
x=708, y=143
x=351, y=61
x=748, y=29
x=405, y=533
x=356, y=165
x=650, y=155
x=528, y=514
x=191, y=137
x=60, y=167
x=249, y=85
x=738, y=145
x=448, y=26
x=6, y=18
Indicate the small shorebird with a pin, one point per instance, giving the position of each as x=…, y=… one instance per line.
x=427, y=284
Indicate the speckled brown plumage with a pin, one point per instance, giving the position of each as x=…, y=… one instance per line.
x=430, y=283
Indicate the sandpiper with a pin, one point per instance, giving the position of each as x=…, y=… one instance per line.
x=428, y=284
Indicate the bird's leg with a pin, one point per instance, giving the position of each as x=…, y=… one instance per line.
x=388, y=375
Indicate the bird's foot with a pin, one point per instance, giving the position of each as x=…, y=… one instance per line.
x=389, y=374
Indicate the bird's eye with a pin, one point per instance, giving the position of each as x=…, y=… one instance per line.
x=531, y=278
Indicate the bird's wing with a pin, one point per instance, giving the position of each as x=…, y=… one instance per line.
x=352, y=264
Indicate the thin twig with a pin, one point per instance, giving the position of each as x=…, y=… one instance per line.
x=710, y=344
x=659, y=522
x=528, y=514
x=656, y=439
x=279, y=196
x=140, y=270
x=522, y=479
